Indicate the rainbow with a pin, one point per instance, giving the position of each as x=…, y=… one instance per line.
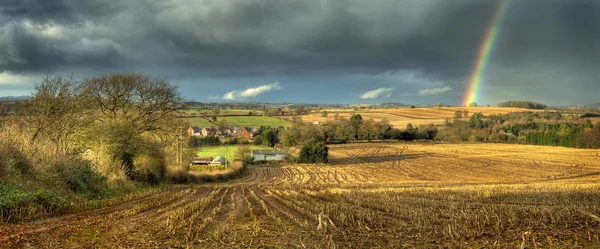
x=483, y=55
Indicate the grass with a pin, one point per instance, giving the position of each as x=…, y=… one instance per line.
x=201, y=122
x=246, y=121
x=225, y=151
x=224, y=111
x=255, y=121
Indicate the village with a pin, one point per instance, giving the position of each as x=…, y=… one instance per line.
x=262, y=155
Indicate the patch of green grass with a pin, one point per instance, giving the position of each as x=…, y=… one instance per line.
x=225, y=151
x=255, y=121
x=18, y=202
x=201, y=122
x=232, y=111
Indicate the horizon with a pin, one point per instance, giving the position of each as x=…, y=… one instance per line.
x=422, y=53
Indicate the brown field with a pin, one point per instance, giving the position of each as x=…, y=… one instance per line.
x=400, y=117
x=370, y=196
x=394, y=120
x=439, y=112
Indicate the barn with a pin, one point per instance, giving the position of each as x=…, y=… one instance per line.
x=268, y=155
x=202, y=160
x=219, y=160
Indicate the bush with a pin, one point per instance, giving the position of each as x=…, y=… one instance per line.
x=313, y=152
x=14, y=197
x=150, y=165
x=12, y=160
x=196, y=141
x=80, y=176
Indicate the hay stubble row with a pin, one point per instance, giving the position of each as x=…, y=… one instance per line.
x=371, y=195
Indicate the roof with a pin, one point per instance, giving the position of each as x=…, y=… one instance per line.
x=196, y=129
x=219, y=159
x=268, y=152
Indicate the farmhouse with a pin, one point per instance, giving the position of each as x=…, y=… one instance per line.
x=194, y=131
x=268, y=155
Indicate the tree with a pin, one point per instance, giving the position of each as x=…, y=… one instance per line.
x=216, y=111
x=324, y=114
x=367, y=130
x=431, y=131
x=243, y=152
x=381, y=127
x=268, y=137
x=313, y=152
x=300, y=110
x=465, y=113
x=145, y=102
x=58, y=110
x=588, y=124
x=343, y=133
x=410, y=133
x=355, y=122
x=473, y=104
x=457, y=115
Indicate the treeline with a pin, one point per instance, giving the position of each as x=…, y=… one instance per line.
x=544, y=128
x=88, y=137
x=341, y=130
x=523, y=104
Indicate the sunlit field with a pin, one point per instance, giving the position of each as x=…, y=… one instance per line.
x=371, y=195
x=255, y=121
x=225, y=151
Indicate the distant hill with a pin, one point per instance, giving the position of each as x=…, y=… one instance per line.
x=523, y=104
x=597, y=105
x=13, y=98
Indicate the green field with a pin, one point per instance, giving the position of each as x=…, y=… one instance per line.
x=201, y=122
x=246, y=121
x=225, y=151
x=255, y=121
x=232, y=111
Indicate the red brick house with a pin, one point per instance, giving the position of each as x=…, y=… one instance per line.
x=208, y=131
x=246, y=132
x=194, y=131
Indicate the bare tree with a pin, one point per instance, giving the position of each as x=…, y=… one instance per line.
x=58, y=109
x=144, y=101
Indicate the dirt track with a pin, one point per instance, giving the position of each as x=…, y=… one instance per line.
x=369, y=197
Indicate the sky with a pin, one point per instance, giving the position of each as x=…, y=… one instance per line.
x=311, y=51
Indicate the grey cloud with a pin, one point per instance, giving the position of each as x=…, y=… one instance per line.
x=264, y=37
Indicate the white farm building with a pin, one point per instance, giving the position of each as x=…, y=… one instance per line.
x=268, y=155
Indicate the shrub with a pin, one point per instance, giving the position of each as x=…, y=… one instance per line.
x=13, y=197
x=313, y=152
x=150, y=165
x=12, y=160
x=80, y=176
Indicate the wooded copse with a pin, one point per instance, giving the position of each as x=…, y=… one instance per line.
x=540, y=128
x=84, y=136
x=523, y=104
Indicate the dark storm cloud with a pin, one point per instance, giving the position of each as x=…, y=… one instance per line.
x=221, y=38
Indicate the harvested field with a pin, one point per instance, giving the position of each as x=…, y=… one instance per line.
x=395, y=120
x=371, y=195
x=437, y=112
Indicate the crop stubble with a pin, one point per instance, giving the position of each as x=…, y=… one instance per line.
x=371, y=195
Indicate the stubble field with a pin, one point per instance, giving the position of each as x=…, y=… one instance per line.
x=400, y=117
x=371, y=195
